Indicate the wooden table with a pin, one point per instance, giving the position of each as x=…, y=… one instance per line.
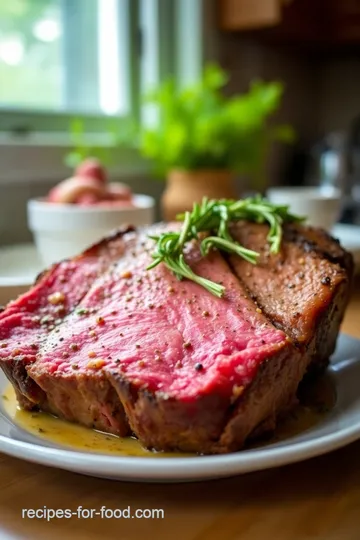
x=316, y=499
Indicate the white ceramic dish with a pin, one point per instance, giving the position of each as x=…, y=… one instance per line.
x=63, y=230
x=321, y=205
x=339, y=427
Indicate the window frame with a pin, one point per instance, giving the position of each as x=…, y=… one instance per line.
x=22, y=130
x=22, y=122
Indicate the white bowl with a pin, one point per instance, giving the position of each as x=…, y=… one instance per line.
x=63, y=230
x=321, y=205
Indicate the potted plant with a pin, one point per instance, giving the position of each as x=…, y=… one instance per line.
x=203, y=138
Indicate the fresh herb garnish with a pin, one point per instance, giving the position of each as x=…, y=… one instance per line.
x=214, y=218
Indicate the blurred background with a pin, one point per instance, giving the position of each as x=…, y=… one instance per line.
x=73, y=74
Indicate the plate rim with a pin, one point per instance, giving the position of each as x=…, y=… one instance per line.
x=21, y=281
x=173, y=469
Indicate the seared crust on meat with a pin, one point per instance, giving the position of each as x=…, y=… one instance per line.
x=303, y=290
x=87, y=398
x=211, y=424
x=214, y=424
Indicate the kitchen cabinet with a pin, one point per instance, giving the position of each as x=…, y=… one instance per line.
x=250, y=14
x=345, y=20
x=322, y=22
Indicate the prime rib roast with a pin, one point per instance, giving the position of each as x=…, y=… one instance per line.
x=101, y=341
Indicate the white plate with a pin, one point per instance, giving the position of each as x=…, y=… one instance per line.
x=19, y=266
x=338, y=428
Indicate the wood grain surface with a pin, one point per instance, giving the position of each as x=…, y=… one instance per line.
x=316, y=499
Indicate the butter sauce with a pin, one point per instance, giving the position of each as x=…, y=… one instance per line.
x=317, y=398
x=73, y=436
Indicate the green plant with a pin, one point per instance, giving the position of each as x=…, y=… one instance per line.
x=200, y=128
x=80, y=137
x=81, y=150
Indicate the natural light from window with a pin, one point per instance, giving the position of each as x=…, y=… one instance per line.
x=111, y=93
x=30, y=54
x=64, y=55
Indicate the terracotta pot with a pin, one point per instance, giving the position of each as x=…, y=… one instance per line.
x=186, y=187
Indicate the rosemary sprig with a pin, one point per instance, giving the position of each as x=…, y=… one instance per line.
x=214, y=217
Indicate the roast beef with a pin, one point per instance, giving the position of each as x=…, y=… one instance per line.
x=101, y=341
x=27, y=321
x=303, y=290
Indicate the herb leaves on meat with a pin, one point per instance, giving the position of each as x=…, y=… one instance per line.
x=214, y=218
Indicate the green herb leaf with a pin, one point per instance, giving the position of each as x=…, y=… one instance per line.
x=200, y=127
x=214, y=217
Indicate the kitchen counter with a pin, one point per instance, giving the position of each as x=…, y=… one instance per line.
x=317, y=499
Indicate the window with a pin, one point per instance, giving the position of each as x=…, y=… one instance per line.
x=68, y=57
x=30, y=43
x=91, y=60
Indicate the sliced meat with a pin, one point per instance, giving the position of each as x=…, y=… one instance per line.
x=137, y=351
x=26, y=322
x=304, y=289
x=166, y=358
